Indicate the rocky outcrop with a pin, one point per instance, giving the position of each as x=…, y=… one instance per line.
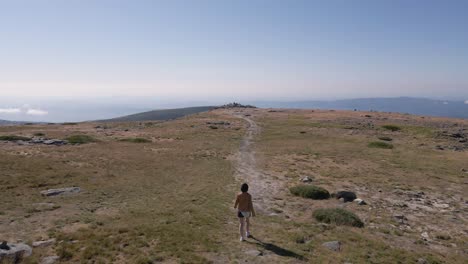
x=14, y=253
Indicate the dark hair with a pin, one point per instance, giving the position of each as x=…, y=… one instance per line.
x=244, y=187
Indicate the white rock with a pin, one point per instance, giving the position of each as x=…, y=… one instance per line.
x=306, y=179
x=50, y=260
x=53, y=192
x=253, y=252
x=44, y=243
x=360, y=201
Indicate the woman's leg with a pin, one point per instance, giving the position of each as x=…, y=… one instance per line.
x=241, y=227
x=247, y=226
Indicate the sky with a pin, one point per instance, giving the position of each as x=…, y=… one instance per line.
x=233, y=50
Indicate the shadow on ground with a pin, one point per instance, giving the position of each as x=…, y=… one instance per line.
x=277, y=250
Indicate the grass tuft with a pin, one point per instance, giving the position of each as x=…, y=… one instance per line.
x=14, y=138
x=337, y=216
x=80, y=139
x=136, y=140
x=379, y=144
x=310, y=191
x=392, y=127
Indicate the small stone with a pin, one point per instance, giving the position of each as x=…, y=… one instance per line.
x=44, y=243
x=45, y=206
x=425, y=235
x=333, y=245
x=50, y=260
x=399, y=217
x=360, y=202
x=254, y=253
x=54, y=192
x=441, y=205
x=306, y=179
x=422, y=261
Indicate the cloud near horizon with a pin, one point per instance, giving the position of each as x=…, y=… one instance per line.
x=28, y=111
x=36, y=112
x=10, y=110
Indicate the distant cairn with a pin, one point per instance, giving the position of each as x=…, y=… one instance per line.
x=236, y=105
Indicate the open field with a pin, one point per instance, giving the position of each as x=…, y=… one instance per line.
x=163, y=191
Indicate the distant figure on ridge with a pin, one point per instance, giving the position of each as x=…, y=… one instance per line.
x=244, y=211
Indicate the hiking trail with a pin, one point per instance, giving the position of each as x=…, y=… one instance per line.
x=261, y=186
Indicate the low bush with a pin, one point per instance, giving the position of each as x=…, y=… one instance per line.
x=136, y=140
x=14, y=138
x=80, y=139
x=39, y=134
x=337, y=216
x=310, y=191
x=392, y=127
x=379, y=144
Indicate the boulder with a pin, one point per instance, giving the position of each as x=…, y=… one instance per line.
x=333, y=245
x=347, y=196
x=54, y=192
x=15, y=252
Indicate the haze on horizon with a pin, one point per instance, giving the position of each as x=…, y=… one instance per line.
x=220, y=51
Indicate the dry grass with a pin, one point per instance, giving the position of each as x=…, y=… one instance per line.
x=169, y=200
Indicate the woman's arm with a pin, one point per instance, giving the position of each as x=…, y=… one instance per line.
x=237, y=202
x=251, y=206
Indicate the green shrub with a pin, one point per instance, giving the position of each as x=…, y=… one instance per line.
x=392, y=127
x=337, y=216
x=80, y=139
x=310, y=191
x=14, y=138
x=70, y=124
x=136, y=140
x=386, y=138
x=379, y=144
x=39, y=134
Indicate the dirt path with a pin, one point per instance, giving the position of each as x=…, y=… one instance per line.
x=261, y=186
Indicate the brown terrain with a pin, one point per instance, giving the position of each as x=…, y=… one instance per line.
x=163, y=191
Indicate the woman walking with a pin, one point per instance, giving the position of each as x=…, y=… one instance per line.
x=245, y=209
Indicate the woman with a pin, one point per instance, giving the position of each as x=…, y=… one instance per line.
x=245, y=209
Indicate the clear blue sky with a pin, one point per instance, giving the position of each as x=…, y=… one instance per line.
x=234, y=49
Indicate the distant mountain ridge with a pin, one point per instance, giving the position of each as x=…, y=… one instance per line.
x=163, y=114
x=7, y=122
x=417, y=106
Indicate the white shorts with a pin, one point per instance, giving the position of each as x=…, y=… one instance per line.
x=243, y=214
